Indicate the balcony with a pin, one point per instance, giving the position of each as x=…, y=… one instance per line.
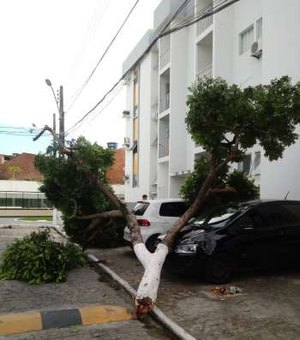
x=164, y=149
x=205, y=72
x=164, y=58
x=203, y=24
x=165, y=102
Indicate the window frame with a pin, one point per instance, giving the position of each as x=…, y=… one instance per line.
x=243, y=49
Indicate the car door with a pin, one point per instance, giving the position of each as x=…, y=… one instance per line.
x=290, y=220
x=259, y=236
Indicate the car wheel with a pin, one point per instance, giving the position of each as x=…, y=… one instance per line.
x=151, y=243
x=218, y=269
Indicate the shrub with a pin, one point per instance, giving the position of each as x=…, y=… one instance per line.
x=38, y=259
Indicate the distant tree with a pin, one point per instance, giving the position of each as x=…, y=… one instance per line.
x=14, y=170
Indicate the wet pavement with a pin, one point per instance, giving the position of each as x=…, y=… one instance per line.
x=267, y=308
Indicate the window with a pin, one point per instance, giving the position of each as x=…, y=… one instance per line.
x=136, y=93
x=135, y=128
x=257, y=158
x=140, y=209
x=259, y=24
x=135, y=167
x=245, y=164
x=265, y=216
x=292, y=213
x=246, y=39
x=172, y=209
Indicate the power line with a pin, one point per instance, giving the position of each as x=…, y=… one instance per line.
x=24, y=134
x=116, y=92
x=124, y=76
x=210, y=10
x=16, y=130
x=88, y=37
x=104, y=54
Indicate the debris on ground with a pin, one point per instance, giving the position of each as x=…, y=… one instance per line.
x=222, y=292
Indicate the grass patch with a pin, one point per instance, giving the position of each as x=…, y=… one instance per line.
x=35, y=218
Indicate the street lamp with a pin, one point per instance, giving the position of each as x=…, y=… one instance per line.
x=60, y=107
x=48, y=82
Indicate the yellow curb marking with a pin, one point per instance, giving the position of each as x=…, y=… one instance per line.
x=20, y=322
x=100, y=314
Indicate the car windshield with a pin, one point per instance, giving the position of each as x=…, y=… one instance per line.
x=140, y=208
x=218, y=220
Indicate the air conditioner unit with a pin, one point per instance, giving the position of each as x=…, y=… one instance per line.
x=256, y=49
x=126, y=114
x=126, y=142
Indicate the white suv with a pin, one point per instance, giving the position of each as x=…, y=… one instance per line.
x=155, y=217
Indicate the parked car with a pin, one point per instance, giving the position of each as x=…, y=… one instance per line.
x=155, y=217
x=257, y=234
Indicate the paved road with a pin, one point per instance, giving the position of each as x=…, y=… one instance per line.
x=82, y=288
x=268, y=308
x=5, y=221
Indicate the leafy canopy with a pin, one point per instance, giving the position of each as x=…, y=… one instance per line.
x=243, y=188
x=71, y=191
x=226, y=120
x=265, y=114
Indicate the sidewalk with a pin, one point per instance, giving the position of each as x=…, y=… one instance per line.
x=82, y=290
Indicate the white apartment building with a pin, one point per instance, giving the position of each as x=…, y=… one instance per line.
x=248, y=43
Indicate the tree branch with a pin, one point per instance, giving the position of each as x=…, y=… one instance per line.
x=64, y=149
x=129, y=218
x=223, y=190
x=103, y=215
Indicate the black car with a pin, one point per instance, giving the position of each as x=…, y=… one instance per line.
x=257, y=234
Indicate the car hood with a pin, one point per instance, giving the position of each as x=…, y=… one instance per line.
x=190, y=235
x=204, y=236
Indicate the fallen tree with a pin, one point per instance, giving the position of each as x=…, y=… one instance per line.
x=226, y=121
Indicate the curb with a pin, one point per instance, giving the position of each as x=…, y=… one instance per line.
x=29, y=321
x=156, y=313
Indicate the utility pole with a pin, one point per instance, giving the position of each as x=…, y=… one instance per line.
x=59, y=100
x=61, y=119
x=54, y=130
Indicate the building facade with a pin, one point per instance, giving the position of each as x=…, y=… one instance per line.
x=246, y=43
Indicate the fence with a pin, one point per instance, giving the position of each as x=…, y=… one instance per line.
x=23, y=200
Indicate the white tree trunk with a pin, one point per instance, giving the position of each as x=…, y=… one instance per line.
x=152, y=263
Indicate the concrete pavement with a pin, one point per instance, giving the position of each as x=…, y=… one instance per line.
x=268, y=307
x=81, y=300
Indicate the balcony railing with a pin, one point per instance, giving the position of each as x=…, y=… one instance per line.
x=203, y=24
x=165, y=102
x=164, y=58
x=163, y=149
x=205, y=72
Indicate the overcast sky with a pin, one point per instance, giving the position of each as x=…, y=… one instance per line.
x=62, y=40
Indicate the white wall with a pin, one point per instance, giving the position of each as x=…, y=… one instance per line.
x=9, y=185
x=281, y=55
x=178, y=93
